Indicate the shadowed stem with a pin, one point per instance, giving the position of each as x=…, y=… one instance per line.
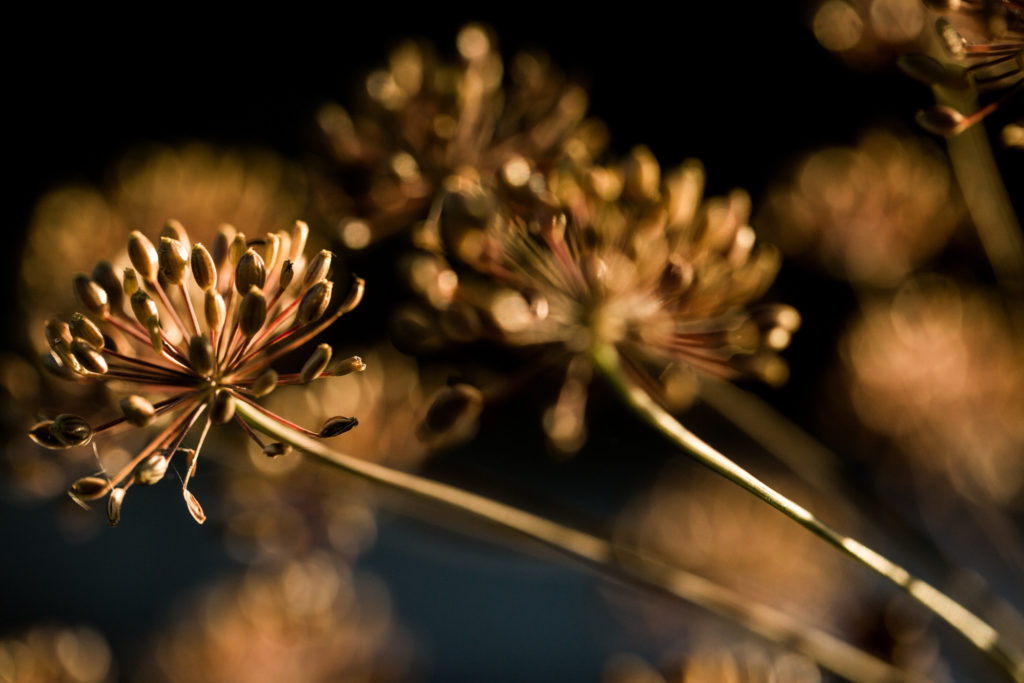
x=969, y=625
x=626, y=564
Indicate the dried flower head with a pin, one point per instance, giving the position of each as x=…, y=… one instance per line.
x=195, y=339
x=425, y=118
x=940, y=371
x=869, y=213
x=607, y=256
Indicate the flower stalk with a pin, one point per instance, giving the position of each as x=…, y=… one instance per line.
x=978, y=632
x=623, y=563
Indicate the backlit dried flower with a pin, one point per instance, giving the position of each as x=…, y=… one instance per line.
x=869, y=213
x=187, y=362
x=425, y=118
x=940, y=371
x=609, y=256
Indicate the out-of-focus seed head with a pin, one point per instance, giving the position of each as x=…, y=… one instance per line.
x=174, y=230
x=337, y=425
x=131, y=281
x=114, y=503
x=90, y=359
x=71, y=430
x=452, y=414
x=318, y=268
x=151, y=470
x=222, y=408
x=89, y=488
x=41, y=434
x=92, y=297
x=106, y=277
x=173, y=258
x=201, y=355
x=276, y=449
x=316, y=363
x=143, y=256
x=265, y=383
x=83, y=328
x=300, y=231
x=204, y=270
x=252, y=312
x=222, y=242
x=345, y=366
x=314, y=302
x=250, y=272
x=137, y=410
x=214, y=309
x=143, y=306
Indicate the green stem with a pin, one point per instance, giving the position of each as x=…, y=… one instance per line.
x=969, y=625
x=629, y=565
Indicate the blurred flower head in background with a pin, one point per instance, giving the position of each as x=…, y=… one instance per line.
x=424, y=118
x=56, y=654
x=716, y=662
x=869, y=213
x=938, y=369
x=589, y=255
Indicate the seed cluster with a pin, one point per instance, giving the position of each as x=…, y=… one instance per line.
x=196, y=330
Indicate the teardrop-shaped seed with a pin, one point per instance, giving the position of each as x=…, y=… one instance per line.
x=252, y=312
x=106, y=277
x=83, y=328
x=316, y=363
x=41, y=434
x=173, y=258
x=143, y=256
x=137, y=410
x=200, y=354
x=90, y=359
x=89, y=488
x=92, y=297
x=114, y=506
x=204, y=271
x=222, y=408
x=250, y=272
x=265, y=384
x=337, y=425
x=314, y=302
x=151, y=470
x=71, y=430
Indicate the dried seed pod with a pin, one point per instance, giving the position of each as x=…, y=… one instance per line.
x=41, y=434
x=271, y=250
x=300, y=231
x=89, y=488
x=176, y=231
x=89, y=358
x=71, y=430
x=92, y=297
x=83, y=328
x=318, y=268
x=252, y=312
x=316, y=363
x=143, y=256
x=131, y=281
x=194, y=508
x=287, y=273
x=143, y=306
x=58, y=333
x=314, y=302
x=276, y=449
x=173, y=259
x=222, y=408
x=337, y=425
x=151, y=470
x=265, y=384
x=137, y=410
x=105, y=276
x=114, y=506
x=156, y=335
x=204, y=270
x=238, y=247
x=354, y=296
x=214, y=309
x=200, y=354
x=346, y=366
x=250, y=272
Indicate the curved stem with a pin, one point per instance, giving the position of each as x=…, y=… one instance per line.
x=969, y=625
x=829, y=651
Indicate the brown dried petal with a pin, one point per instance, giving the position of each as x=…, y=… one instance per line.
x=337, y=425
x=137, y=410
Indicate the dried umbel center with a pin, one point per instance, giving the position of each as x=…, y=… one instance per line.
x=195, y=341
x=588, y=256
x=424, y=118
x=940, y=371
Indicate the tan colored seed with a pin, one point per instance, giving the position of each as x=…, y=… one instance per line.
x=346, y=366
x=105, y=276
x=287, y=273
x=176, y=231
x=89, y=488
x=200, y=354
x=265, y=384
x=58, y=331
x=316, y=363
x=83, y=328
x=271, y=250
x=318, y=268
x=156, y=337
x=252, y=312
x=204, y=270
x=250, y=272
x=222, y=244
x=173, y=258
x=337, y=425
x=151, y=470
x=114, y=506
x=92, y=297
x=300, y=231
x=238, y=247
x=137, y=410
x=143, y=306
x=90, y=359
x=214, y=309
x=142, y=254
x=222, y=408
x=131, y=281
x=194, y=508
x=315, y=302
x=71, y=430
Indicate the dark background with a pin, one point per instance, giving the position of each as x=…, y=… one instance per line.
x=742, y=86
